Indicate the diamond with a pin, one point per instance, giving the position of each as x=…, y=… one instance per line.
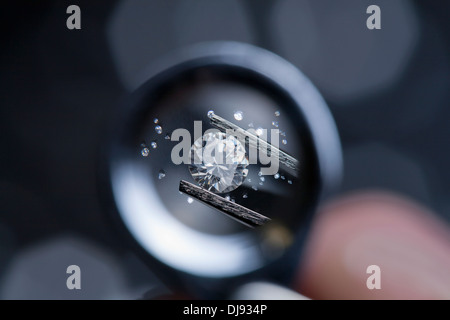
x=219, y=162
x=145, y=152
x=239, y=115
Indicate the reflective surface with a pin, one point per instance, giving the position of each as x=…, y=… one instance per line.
x=218, y=162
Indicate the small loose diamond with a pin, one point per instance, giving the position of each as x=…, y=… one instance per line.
x=145, y=152
x=277, y=113
x=276, y=176
x=210, y=114
x=190, y=200
x=161, y=174
x=238, y=115
x=154, y=145
x=158, y=129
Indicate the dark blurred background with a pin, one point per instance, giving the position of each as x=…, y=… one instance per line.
x=388, y=90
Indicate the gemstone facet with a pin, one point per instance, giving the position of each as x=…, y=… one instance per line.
x=218, y=162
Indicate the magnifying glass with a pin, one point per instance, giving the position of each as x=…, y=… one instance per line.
x=215, y=166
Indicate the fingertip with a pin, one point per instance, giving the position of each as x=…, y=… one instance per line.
x=407, y=242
